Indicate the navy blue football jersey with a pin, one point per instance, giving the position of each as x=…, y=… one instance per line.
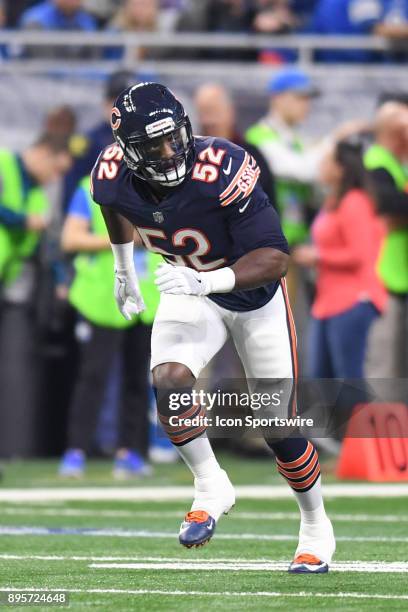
x=217, y=214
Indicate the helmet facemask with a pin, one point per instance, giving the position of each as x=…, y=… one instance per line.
x=164, y=156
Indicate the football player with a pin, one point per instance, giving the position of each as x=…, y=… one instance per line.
x=198, y=202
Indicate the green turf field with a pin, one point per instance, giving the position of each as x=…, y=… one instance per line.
x=124, y=555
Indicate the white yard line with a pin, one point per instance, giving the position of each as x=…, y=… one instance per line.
x=217, y=562
x=236, y=515
x=246, y=566
x=131, y=533
x=182, y=493
x=270, y=594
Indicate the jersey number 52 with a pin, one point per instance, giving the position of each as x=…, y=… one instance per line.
x=207, y=169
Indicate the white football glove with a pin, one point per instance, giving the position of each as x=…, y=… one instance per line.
x=127, y=293
x=179, y=280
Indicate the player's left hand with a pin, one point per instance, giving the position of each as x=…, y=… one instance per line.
x=179, y=280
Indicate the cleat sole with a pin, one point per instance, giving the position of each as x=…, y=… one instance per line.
x=196, y=545
x=305, y=570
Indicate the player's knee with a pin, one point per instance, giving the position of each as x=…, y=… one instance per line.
x=172, y=376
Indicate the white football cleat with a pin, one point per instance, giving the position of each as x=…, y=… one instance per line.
x=315, y=549
x=214, y=496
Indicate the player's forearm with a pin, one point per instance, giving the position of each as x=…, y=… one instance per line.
x=260, y=267
x=255, y=269
x=121, y=236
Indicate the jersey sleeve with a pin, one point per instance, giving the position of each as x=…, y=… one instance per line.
x=105, y=175
x=253, y=223
x=239, y=174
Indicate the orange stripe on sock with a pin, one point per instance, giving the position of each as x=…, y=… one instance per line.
x=299, y=473
x=170, y=429
x=297, y=462
x=298, y=486
x=164, y=419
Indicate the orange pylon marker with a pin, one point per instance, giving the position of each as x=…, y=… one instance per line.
x=375, y=447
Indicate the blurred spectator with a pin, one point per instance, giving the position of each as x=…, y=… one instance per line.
x=103, y=10
x=273, y=17
x=228, y=16
x=23, y=203
x=258, y=16
x=86, y=148
x=170, y=11
x=264, y=16
x=303, y=10
x=61, y=122
x=3, y=48
x=216, y=117
x=138, y=16
x=15, y=8
x=63, y=15
x=347, y=236
x=394, y=21
x=194, y=16
x=294, y=166
x=103, y=333
x=394, y=27
x=346, y=17
x=386, y=160
x=58, y=15
x=23, y=217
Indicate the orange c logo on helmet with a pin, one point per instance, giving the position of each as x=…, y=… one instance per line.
x=116, y=118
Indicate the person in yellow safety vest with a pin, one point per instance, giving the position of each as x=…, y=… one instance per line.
x=294, y=166
x=24, y=208
x=103, y=333
x=23, y=202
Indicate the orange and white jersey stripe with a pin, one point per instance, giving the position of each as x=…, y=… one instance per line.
x=243, y=183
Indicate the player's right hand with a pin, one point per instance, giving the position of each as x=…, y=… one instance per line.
x=127, y=293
